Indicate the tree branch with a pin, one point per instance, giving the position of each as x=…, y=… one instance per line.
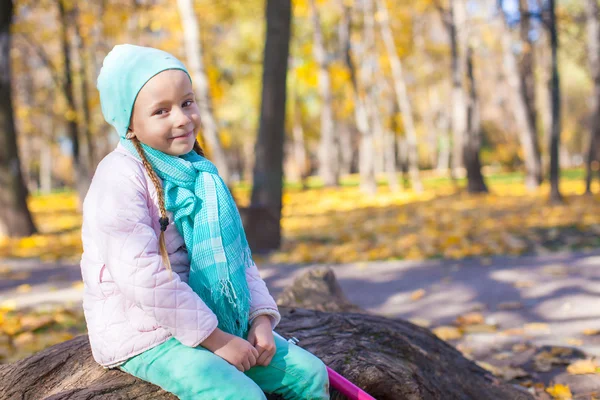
x=42, y=55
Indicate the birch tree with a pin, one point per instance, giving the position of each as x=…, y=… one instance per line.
x=193, y=49
x=401, y=95
x=328, y=151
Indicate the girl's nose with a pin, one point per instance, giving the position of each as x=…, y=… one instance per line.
x=182, y=118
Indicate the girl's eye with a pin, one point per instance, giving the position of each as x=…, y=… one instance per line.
x=160, y=112
x=187, y=103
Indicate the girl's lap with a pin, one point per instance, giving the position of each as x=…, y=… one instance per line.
x=189, y=372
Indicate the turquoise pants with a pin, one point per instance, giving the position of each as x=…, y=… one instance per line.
x=197, y=373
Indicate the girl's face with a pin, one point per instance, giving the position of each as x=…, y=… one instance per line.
x=165, y=114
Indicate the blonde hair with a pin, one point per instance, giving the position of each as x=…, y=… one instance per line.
x=161, y=197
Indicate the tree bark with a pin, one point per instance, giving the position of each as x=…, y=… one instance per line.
x=15, y=218
x=80, y=165
x=555, y=195
x=401, y=95
x=523, y=110
x=593, y=28
x=193, y=49
x=328, y=149
x=268, y=168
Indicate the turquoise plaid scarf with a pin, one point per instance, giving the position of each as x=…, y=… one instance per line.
x=208, y=219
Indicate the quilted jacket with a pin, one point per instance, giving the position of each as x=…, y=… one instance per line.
x=130, y=302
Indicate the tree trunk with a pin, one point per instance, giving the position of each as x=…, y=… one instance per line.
x=388, y=358
x=456, y=30
x=268, y=168
x=522, y=109
x=82, y=177
x=346, y=148
x=472, y=143
x=328, y=150
x=46, y=160
x=366, y=161
x=193, y=49
x=401, y=95
x=554, y=84
x=527, y=72
x=368, y=181
x=15, y=218
x=299, y=146
x=593, y=28
x=85, y=90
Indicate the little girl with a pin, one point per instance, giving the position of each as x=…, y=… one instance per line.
x=171, y=293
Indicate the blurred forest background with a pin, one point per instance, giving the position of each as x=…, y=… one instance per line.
x=395, y=112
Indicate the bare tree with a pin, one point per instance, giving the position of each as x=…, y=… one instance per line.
x=15, y=218
x=80, y=163
x=523, y=108
x=554, y=85
x=593, y=28
x=472, y=142
x=84, y=88
x=328, y=151
x=368, y=55
x=193, y=49
x=466, y=127
x=401, y=95
x=366, y=161
x=263, y=219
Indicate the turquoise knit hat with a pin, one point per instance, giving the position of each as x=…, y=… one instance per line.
x=125, y=70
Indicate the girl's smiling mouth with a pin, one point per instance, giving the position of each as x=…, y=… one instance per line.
x=184, y=136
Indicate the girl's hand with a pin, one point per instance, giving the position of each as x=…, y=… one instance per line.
x=236, y=351
x=261, y=337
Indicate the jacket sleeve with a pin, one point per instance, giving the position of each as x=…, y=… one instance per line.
x=129, y=248
x=262, y=302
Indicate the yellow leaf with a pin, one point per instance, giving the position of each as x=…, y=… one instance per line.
x=470, y=319
x=417, y=294
x=447, y=332
x=561, y=392
x=581, y=367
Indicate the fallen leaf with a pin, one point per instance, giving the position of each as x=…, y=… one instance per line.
x=479, y=328
x=417, y=294
x=574, y=341
x=561, y=392
x=470, y=319
x=537, y=326
x=581, y=367
x=447, y=332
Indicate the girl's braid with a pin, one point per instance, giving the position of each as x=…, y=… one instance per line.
x=164, y=220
